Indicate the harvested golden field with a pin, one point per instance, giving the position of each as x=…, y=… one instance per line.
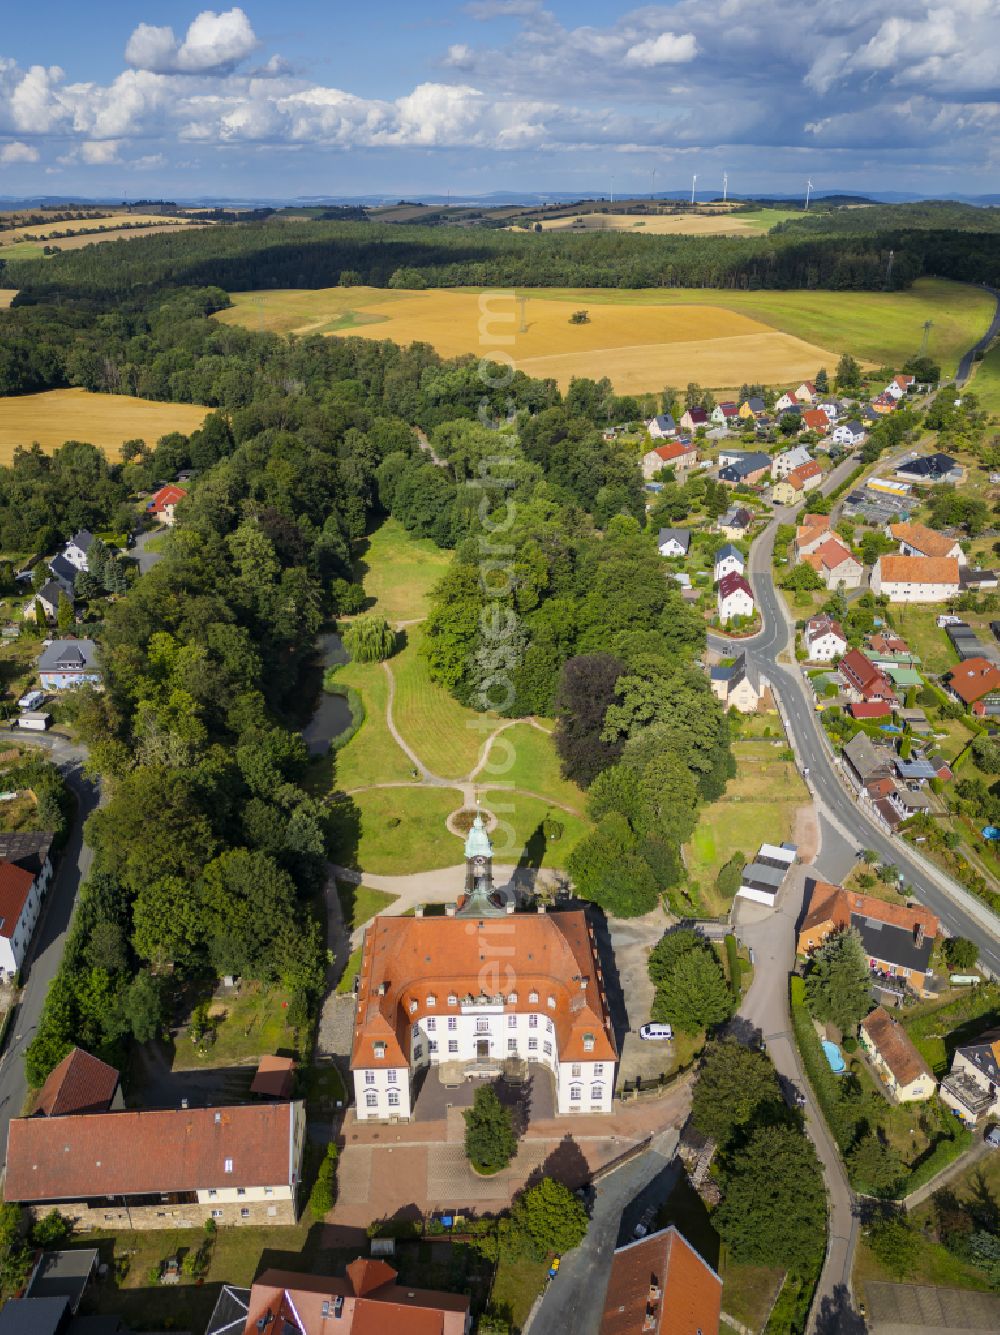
x=84, y=225
x=106, y=420
x=641, y=347
x=7, y=295
x=671, y=224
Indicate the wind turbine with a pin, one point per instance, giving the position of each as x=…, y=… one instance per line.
x=612, y=190
x=809, y=190
x=694, y=179
x=725, y=187
x=652, y=184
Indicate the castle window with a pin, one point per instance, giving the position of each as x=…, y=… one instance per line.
x=413, y=1007
x=597, y=1093
x=532, y=1044
x=452, y=1022
x=512, y=999
x=548, y=1026
x=432, y=1000
x=599, y=1068
x=532, y=1021
x=452, y=999
x=370, y=1076
x=393, y=1098
x=512, y=1045
x=588, y=1042
x=511, y=1021
x=532, y=997
x=391, y=1077
x=452, y=1044
x=371, y=1099
x=576, y=1071
x=432, y=1046
x=431, y=1024
x=552, y=1003
x=418, y=1052
x=575, y=1093
x=547, y=1049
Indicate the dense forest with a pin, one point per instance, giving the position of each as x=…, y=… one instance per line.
x=211, y=845
x=824, y=252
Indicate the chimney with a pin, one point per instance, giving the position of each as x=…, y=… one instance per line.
x=541, y=908
x=449, y=910
x=918, y=935
x=418, y=912
x=510, y=906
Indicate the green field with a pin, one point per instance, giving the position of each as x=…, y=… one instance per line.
x=446, y=736
x=371, y=756
x=743, y=818
x=986, y=381
x=359, y=903
x=399, y=571
x=525, y=841
x=403, y=830
x=524, y=757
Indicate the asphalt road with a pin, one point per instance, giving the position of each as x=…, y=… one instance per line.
x=50, y=936
x=846, y=828
x=965, y=365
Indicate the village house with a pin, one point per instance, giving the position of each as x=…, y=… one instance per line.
x=164, y=503
x=836, y=566
x=754, y=406
x=831, y=407
x=931, y=470
x=919, y=540
x=848, y=434
x=421, y=1001
x=365, y=1300
x=870, y=711
x=815, y=419
x=662, y=1286
x=693, y=418
x=734, y=686
x=680, y=457
x=864, y=762
x=66, y=664
x=735, y=523
x=79, y=1084
x=915, y=579
x=726, y=414
x=783, y=464
x=903, y=1072
x=77, y=548
x=728, y=560
x=48, y=595
x=972, y=1087
x=735, y=598
x=864, y=680
x=163, y=1168
x=661, y=427
x=976, y=685
x=806, y=392
x=25, y=872
x=897, y=940
x=811, y=534
x=790, y=490
x=673, y=541
x=824, y=639
x=747, y=470
x=786, y=401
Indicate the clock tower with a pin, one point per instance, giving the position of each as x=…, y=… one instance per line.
x=478, y=859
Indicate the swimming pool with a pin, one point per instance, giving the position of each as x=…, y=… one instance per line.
x=833, y=1056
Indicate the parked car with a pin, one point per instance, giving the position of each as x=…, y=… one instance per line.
x=992, y=1137
x=643, y=1226
x=32, y=700
x=656, y=1032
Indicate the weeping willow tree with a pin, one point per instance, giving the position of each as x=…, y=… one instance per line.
x=370, y=640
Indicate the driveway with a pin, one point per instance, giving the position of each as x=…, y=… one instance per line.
x=145, y=559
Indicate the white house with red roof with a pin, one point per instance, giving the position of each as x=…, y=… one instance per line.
x=806, y=392
x=165, y=502
x=824, y=639
x=21, y=891
x=735, y=597
x=676, y=455
x=484, y=989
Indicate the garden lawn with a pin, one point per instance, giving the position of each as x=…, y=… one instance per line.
x=918, y=627
x=741, y=820
x=371, y=756
x=359, y=903
x=351, y=970
x=520, y=837
x=254, y=1024
x=403, y=830
x=517, y=1283
x=398, y=571
x=932, y=1264
x=446, y=736
x=526, y=758
x=937, y=1028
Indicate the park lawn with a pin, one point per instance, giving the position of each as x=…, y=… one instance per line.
x=918, y=626
x=517, y=1283
x=403, y=830
x=351, y=970
x=520, y=838
x=526, y=758
x=985, y=384
x=252, y=1023
x=445, y=735
x=741, y=820
x=399, y=571
x=372, y=755
x=359, y=903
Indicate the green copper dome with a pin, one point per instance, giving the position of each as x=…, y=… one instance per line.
x=477, y=841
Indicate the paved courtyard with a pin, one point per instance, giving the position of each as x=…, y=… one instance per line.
x=533, y=1100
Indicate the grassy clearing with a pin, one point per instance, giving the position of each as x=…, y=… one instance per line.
x=520, y=837
x=933, y=1264
x=643, y=338
x=7, y=295
x=403, y=830
x=938, y=1028
x=526, y=758
x=106, y=420
x=918, y=626
x=986, y=382
x=371, y=756
x=359, y=903
x=743, y=817
x=445, y=735
x=399, y=571
x=245, y=1026
x=351, y=970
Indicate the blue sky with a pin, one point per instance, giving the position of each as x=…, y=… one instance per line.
x=318, y=97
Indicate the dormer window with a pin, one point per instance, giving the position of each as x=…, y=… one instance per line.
x=532, y=997
x=379, y=1051
x=588, y=1042
x=228, y=1165
x=552, y=1003
x=452, y=999
x=413, y=1007
x=432, y=1000
x=512, y=999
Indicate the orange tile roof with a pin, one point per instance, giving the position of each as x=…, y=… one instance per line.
x=816, y=419
x=833, y=904
x=798, y=477
x=919, y=569
x=407, y=960
x=15, y=886
x=135, y=1153
x=373, y=1303
x=661, y=1284
x=831, y=555
x=168, y=495
x=973, y=679
x=674, y=450
x=275, y=1077
x=79, y=1084
x=927, y=541
x=895, y=1047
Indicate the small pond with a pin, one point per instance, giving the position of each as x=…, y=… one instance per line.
x=332, y=715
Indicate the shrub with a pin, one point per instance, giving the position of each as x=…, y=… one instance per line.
x=324, y=1191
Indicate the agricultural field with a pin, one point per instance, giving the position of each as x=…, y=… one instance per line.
x=645, y=338
x=141, y=225
x=673, y=224
x=107, y=420
x=7, y=295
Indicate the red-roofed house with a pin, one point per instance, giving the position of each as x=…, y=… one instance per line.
x=976, y=683
x=835, y=565
x=662, y=1286
x=824, y=639
x=870, y=711
x=864, y=680
x=815, y=419
x=165, y=501
x=20, y=902
x=79, y=1084
x=366, y=1301
x=735, y=597
x=806, y=392
x=678, y=456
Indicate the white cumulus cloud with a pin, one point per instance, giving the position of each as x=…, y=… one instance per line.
x=667, y=49
x=15, y=151
x=99, y=152
x=214, y=42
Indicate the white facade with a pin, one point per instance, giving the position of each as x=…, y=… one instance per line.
x=905, y=591
x=75, y=555
x=738, y=603
x=783, y=464
x=475, y=1032
x=826, y=647
x=846, y=435
x=15, y=938
x=730, y=564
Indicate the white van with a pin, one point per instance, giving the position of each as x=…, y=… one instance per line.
x=658, y=1032
x=32, y=700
